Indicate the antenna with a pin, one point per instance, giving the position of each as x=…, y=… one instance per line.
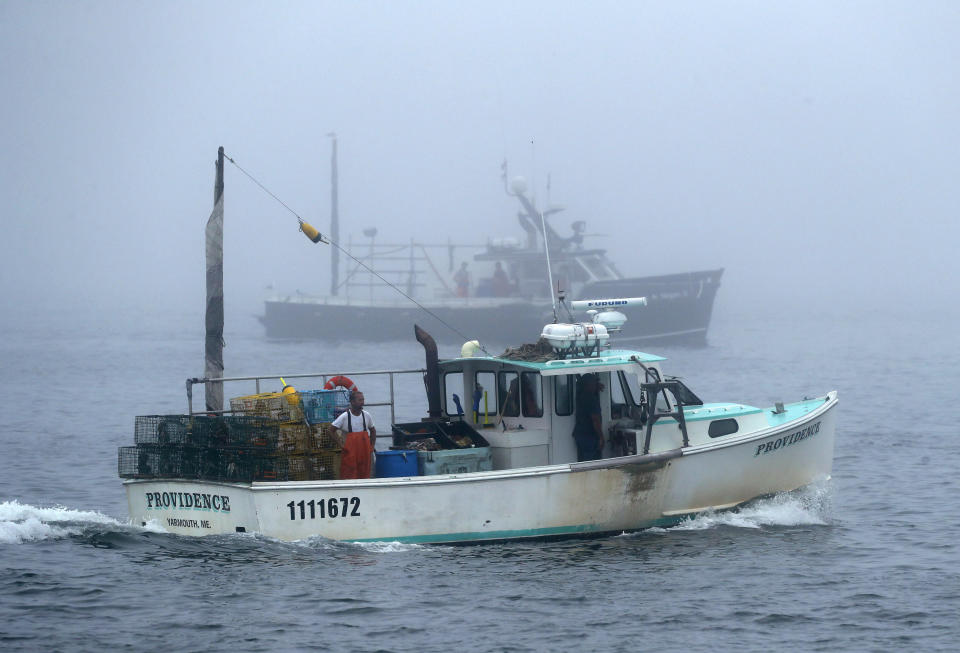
x=546, y=248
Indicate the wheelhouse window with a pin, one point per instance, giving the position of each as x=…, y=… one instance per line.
x=508, y=388
x=485, y=394
x=563, y=394
x=721, y=427
x=596, y=267
x=632, y=387
x=531, y=394
x=453, y=387
x=620, y=395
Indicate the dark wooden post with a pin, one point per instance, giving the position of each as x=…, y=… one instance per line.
x=214, y=318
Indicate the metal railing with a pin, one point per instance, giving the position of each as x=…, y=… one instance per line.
x=324, y=376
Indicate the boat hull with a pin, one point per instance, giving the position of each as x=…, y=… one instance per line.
x=678, y=311
x=605, y=496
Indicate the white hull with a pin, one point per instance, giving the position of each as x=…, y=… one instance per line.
x=604, y=496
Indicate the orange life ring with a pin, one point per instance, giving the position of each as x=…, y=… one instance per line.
x=342, y=381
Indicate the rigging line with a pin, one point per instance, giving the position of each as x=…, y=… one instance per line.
x=265, y=189
x=359, y=262
x=424, y=308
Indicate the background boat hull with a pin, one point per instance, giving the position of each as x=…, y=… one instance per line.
x=679, y=311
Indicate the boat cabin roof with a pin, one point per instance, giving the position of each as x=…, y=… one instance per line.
x=610, y=361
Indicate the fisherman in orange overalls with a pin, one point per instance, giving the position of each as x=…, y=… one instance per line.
x=361, y=437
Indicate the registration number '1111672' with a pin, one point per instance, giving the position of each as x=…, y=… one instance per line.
x=325, y=508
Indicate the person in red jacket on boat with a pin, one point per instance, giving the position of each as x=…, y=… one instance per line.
x=360, y=439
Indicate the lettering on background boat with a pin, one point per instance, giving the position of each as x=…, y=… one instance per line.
x=193, y=500
x=188, y=523
x=787, y=440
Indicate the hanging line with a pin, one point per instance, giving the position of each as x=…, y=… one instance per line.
x=358, y=261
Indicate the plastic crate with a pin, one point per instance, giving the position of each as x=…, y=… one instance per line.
x=324, y=406
x=404, y=435
x=462, y=434
x=454, y=461
x=398, y=462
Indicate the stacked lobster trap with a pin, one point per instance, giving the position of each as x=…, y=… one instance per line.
x=269, y=437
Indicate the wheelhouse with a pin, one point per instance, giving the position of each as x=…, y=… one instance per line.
x=527, y=410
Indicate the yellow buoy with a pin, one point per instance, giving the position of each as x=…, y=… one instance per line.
x=291, y=393
x=311, y=232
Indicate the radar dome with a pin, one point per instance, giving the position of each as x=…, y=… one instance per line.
x=518, y=185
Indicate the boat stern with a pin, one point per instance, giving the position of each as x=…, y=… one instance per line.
x=191, y=508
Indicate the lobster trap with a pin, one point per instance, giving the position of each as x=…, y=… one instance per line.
x=204, y=431
x=230, y=448
x=319, y=464
x=321, y=406
x=271, y=405
x=191, y=463
x=298, y=437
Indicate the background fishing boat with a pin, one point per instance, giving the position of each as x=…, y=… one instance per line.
x=499, y=294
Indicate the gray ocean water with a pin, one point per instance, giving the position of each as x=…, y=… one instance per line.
x=867, y=561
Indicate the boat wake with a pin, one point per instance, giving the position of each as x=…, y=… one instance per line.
x=21, y=523
x=388, y=547
x=323, y=543
x=808, y=506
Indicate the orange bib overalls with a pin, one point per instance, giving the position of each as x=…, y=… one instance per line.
x=355, y=460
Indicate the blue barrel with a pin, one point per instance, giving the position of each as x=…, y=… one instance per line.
x=397, y=462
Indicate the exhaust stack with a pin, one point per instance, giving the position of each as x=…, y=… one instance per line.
x=432, y=378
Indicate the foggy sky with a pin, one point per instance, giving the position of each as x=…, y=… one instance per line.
x=810, y=148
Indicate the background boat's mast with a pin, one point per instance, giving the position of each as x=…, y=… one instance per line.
x=213, y=368
x=334, y=220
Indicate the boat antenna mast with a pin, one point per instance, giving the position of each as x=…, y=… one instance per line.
x=516, y=188
x=546, y=248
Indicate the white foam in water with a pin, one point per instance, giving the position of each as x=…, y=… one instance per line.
x=25, y=523
x=387, y=547
x=153, y=526
x=803, y=507
x=317, y=541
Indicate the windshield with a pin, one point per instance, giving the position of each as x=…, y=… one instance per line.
x=597, y=267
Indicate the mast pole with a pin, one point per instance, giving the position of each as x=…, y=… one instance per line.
x=213, y=368
x=546, y=249
x=334, y=220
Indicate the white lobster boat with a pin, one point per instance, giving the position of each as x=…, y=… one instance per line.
x=667, y=456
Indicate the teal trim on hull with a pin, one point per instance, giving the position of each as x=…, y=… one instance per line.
x=790, y=412
x=793, y=411
x=524, y=534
